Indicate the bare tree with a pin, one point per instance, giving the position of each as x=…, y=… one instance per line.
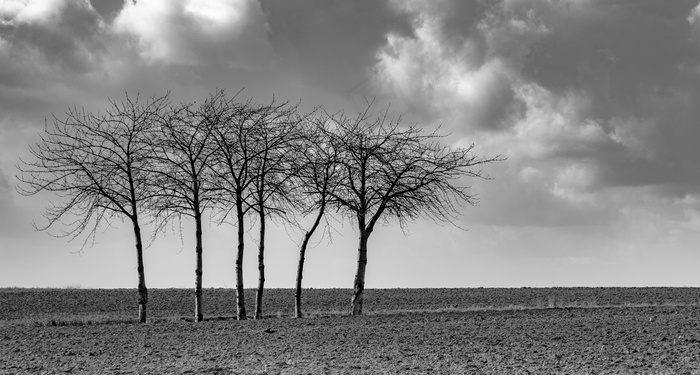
x=96, y=163
x=274, y=169
x=233, y=139
x=400, y=173
x=252, y=169
x=182, y=152
x=317, y=177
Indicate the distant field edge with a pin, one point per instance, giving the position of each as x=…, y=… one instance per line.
x=77, y=287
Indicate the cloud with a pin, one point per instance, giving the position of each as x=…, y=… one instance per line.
x=48, y=38
x=108, y=9
x=333, y=44
x=433, y=85
x=554, y=126
x=51, y=53
x=188, y=32
x=602, y=49
x=569, y=91
x=441, y=72
x=28, y=11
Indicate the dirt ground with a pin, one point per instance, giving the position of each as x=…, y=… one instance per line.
x=47, y=304
x=658, y=340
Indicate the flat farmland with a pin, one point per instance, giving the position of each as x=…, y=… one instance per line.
x=403, y=331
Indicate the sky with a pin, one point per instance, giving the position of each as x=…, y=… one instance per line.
x=595, y=104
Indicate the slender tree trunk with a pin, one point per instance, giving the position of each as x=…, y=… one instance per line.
x=240, y=296
x=261, y=267
x=300, y=272
x=198, y=314
x=143, y=291
x=300, y=266
x=359, y=287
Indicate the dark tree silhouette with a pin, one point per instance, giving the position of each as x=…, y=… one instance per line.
x=273, y=169
x=97, y=165
x=316, y=178
x=182, y=152
x=252, y=169
x=234, y=140
x=397, y=172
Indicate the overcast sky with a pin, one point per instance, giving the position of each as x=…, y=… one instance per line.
x=596, y=105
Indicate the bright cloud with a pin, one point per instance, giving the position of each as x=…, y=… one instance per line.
x=562, y=95
x=29, y=11
x=189, y=32
x=573, y=184
x=435, y=79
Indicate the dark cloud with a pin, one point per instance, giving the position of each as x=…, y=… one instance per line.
x=457, y=25
x=49, y=56
x=603, y=48
x=672, y=142
x=64, y=42
x=632, y=67
x=332, y=43
x=108, y=9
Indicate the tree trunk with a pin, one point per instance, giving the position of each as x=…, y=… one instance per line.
x=198, y=314
x=261, y=267
x=240, y=296
x=300, y=272
x=300, y=266
x=359, y=287
x=143, y=291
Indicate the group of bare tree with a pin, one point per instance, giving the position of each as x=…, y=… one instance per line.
x=152, y=160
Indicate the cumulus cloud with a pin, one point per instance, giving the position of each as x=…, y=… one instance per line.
x=48, y=50
x=189, y=32
x=435, y=85
x=333, y=44
x=569, y=91
x=439, y=77
x=602, y=48
x=48, y=36
x=28, y=11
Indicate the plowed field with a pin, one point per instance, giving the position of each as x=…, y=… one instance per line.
x=450, y=331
